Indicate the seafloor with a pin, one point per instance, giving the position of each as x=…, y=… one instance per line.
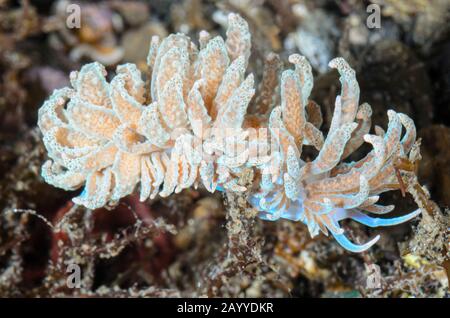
x=201, y=244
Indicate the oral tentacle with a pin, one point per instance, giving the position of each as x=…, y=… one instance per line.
x=352, y=247
x=379, y=222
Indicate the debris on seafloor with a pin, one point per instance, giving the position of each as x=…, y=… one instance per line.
x=95, y=39
x=109, y=31
x=314, y=37
x=428, y=23
x=434, y=169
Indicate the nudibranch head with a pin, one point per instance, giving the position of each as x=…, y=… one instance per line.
x=327, y=190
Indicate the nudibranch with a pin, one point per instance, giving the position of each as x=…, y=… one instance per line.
x=118, y=136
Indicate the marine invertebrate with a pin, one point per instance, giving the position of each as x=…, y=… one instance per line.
x=114, y=136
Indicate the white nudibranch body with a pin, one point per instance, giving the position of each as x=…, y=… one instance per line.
x=112, y=139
